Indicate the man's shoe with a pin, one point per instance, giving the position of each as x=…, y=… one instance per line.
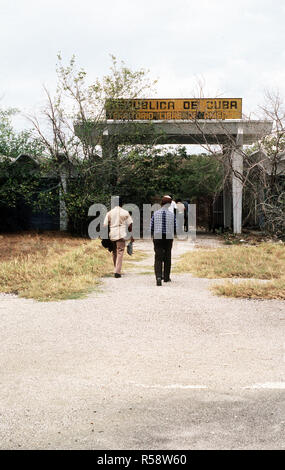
x=167, y=280
x=158, y=281
x=117, y=275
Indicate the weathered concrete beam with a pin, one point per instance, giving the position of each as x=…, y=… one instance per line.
x=178, y=132
x=232, y=134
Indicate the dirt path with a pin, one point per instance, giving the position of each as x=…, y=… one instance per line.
x=137, y=366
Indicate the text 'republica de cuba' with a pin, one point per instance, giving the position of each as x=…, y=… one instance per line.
x=174, y=109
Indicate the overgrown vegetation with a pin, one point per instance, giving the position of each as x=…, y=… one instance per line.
x=138, y=172
x=147, y=172
x=263, y=262
x=21, y=182
x=79, y=100
x=13, y=143
x=51, y=267
x=274, y=289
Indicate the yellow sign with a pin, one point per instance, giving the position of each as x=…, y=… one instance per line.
x=174, y=109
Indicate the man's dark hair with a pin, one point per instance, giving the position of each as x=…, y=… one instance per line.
x=166, y=200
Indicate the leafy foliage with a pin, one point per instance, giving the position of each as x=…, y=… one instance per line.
x=77, y=100
x=146, y=173
x=139, y=173
x=12, y=143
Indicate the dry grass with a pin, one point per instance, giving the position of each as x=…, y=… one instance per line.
x=51, y=266
x=266, y=261
x=263, y=262
x=20, y=245
x=274, y=289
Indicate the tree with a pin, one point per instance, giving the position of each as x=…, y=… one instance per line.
x=12, y=143
x=261, y=176
x=147, y=173
x=17, y=182
x=76, y=100
x=269, y=176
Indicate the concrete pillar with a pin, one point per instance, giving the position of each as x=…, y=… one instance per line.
x=227, y=191
x=237, y=184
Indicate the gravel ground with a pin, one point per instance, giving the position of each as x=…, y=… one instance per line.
x=136, y=366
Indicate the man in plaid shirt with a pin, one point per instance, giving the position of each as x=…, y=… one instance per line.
x=163, y=228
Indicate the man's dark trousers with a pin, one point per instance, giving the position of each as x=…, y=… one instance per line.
x=162, y=250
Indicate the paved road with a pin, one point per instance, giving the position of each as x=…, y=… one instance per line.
x=136, y=366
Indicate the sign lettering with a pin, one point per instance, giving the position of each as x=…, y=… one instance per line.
x=174, y=109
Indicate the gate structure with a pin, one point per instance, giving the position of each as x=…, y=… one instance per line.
x=207, y=122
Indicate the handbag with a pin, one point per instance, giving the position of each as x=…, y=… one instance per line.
x=130, y=248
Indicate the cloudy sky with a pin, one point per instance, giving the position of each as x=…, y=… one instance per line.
x=236, y=48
